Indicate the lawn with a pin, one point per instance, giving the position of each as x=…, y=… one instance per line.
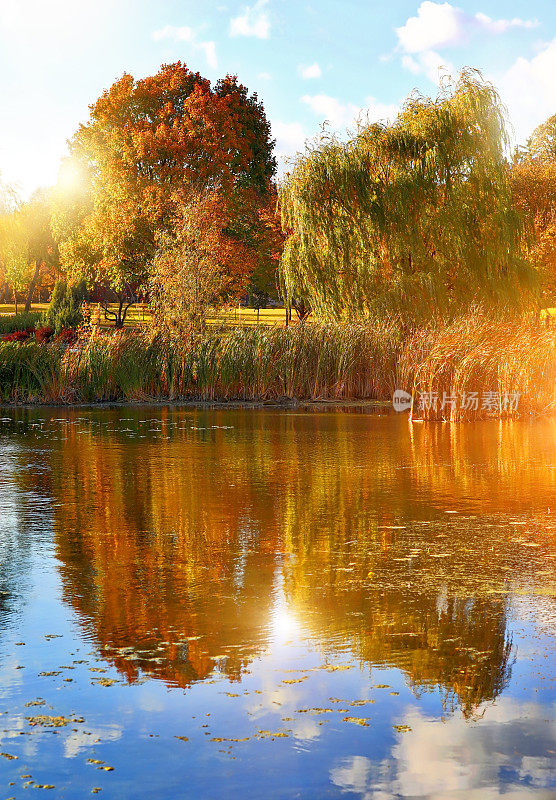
x=139, y=314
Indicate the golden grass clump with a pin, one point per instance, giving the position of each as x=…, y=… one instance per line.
x=499, y=361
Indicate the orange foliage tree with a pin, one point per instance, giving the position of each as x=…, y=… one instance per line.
x=148, y=147
x=201, y=264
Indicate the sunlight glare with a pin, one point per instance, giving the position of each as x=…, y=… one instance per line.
x=70, y=177
x=284, y=625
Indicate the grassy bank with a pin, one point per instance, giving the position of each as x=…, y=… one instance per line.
x=307, y=362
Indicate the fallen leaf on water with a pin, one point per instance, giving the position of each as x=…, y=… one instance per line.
x=47, y=721
x=8, y=756
x=228, y=739
x=317, y=710
x=183, y=738
x=402, y=728
x=357, y=720
x=336, y=667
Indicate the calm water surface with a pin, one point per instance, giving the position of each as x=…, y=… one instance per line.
x=231, y=603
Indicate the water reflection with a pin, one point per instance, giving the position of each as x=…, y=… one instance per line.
x=174, y=556
x=439, y=759
x=198, y=546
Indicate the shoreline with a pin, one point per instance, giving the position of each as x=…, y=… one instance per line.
x=363, y=407
x=281, y=405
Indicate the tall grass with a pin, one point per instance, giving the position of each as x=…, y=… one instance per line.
x=257, y=363
x=19, y=322
x=307, y=362
x=476, y=354
x=30, y=372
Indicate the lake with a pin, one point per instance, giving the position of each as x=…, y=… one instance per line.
x=215, y=603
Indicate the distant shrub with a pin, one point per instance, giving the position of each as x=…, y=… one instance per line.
x=65, y=306
x=44, y=334
x=19, y=322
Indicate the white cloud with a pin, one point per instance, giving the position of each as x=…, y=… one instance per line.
x=343, y=115
x=187, y=34
x=529, y=91
x=265, y=76
x=290, y=140
x=254, y=21
x=429, y=63
x=290, y=136
x=312, y=71
x=453, y=758
x=439, y=25
x=502, y=25
x=436, y=25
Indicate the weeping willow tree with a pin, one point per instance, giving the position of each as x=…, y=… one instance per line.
x=412, y=217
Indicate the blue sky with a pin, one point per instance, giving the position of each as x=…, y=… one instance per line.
x=308, y=61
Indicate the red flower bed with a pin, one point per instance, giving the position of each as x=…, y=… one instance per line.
x=67, y=336
x=17, y=336
x=44, y=334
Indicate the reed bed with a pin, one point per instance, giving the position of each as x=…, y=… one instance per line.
x=477, y=368
x=314, y=362
x=305, y=362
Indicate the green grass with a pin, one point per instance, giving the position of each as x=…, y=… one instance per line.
x=19, y=322
x=245, y=363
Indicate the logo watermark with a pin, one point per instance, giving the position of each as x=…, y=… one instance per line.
x=402, y=400
x=464, y=401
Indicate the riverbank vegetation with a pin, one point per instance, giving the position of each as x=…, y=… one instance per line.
x=319, y=361
x=416, y=254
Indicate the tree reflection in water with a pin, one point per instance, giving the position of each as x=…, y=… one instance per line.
x=179, y=533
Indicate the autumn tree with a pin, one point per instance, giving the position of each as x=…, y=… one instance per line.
x=28, y=251
x=413, y=218
x=534, y=190
x=202, y=263
x=13, y=254
x=148, y=147
x=41, y=249
x=8, y=204
x=541, y=145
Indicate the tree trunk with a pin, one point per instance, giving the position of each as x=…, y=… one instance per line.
x=32, y=287
x=15, y=301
